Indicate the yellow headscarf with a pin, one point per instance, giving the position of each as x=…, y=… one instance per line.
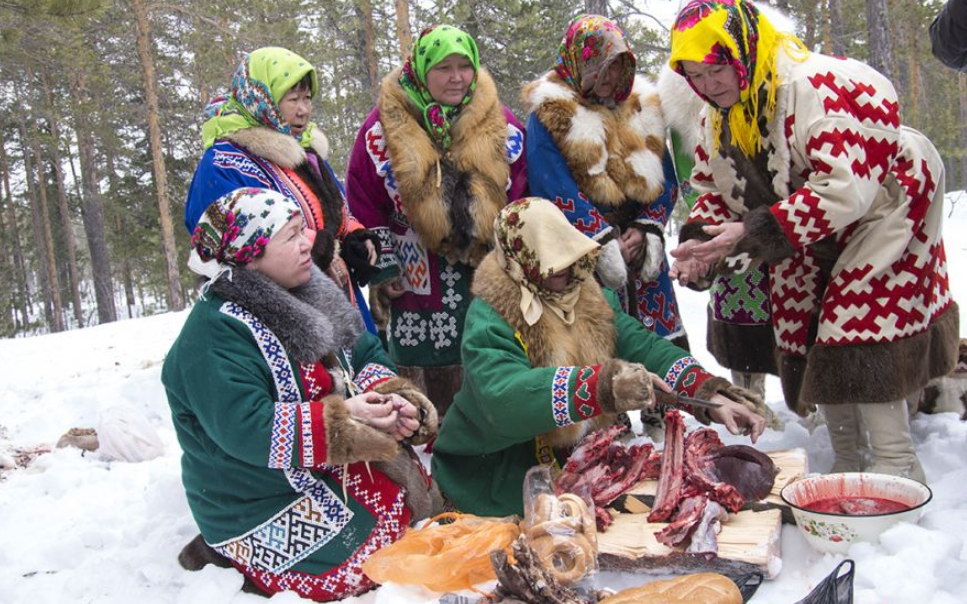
x=534, y=241
x=734, y=32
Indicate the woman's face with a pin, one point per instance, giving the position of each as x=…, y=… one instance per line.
x=286, y=259
x=296, y=108
x=607, y=82
x=558, y=281
x=718, y=83
x=449, y=80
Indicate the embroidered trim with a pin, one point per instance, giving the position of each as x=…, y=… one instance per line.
x=292, y=535
x=372, y=375
x=586, y=391
x=559, y=406
x=678, y=369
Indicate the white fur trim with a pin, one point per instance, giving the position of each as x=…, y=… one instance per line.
x=546, y=90
x=588, y=127
x=654, y=257
x=611, y=267
x=681, y=107
x=649, y=166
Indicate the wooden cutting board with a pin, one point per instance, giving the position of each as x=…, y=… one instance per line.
x=791, y=464
x=749, y=542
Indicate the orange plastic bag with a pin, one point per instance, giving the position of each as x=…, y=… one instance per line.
x=444, y=557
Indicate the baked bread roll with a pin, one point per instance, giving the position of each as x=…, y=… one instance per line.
x=701, y=588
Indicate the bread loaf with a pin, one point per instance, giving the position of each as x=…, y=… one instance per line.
x=701, y=588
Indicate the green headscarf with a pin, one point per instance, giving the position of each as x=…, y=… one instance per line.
x=260, y=81
x=435, y=44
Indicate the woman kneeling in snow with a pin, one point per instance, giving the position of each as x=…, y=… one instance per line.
x=549, y=357
x=278, y=397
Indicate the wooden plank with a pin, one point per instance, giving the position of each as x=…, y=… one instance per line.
x=792, y=464
x=749, y=542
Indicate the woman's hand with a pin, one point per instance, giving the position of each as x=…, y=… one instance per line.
x=737, y=418
x=687, y=268
x=631, y=242
x=724, y=238
x=371, y=250
x=393, y=288
x=389, y=413
x=338, y=272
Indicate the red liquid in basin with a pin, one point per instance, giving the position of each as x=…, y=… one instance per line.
x=856, y=506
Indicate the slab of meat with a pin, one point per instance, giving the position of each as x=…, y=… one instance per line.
x=750, y=471
x=603, y=469
x=671, y=480
x=684, y=522
x=701, y=447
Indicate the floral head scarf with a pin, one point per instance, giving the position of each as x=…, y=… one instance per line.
x=591, y=44
x=259, y=83
x=235, y=228
x=734, y=33
x=435, y=44
x=534, y=241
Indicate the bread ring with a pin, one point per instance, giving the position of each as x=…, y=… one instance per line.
x=557, y=527
x=577, y=506
x=568, y=559
x=546, y=507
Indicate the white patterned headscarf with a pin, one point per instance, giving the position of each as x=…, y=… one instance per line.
x=534, y=241
x=235, y=229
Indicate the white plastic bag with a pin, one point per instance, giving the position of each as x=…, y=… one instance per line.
x=126, y=435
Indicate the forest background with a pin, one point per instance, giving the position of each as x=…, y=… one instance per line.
x=101, y=112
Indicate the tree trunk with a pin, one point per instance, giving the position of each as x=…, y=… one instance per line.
x=52, y=276
x=962, y=93
x=403, y=32
x=119, y=223
x=809, y=34
x=881, y=47
x=596, y=7
x=366, y=47
x=20, y=267
x=837, y=45
x=175, y=301
x=48, y=274
x=65, y=214
x=92, y=210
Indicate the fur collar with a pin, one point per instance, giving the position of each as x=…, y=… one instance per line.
x=452, y=198
x=311, y=320
x=682, y=109
x=551, y=343
x=280, y=149
x=614, y=154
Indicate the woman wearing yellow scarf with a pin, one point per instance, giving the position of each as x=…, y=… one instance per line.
x=803, y=164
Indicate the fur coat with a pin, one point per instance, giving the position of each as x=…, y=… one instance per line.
x=273, y=462
x=531, y=392
x=848, y=215
x=607, y=170
x=433, y=211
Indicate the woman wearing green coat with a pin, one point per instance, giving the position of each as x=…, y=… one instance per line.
x=549, y=357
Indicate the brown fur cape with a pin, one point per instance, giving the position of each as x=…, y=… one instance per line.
x=468, y=182
x=550, y=342
x=614, y=154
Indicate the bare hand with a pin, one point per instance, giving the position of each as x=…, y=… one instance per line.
x=630, y=243
x=338, y=272
x=407, y=422
x=375, y=410
x=737, y=418
x=687, y=268
x=371, y=250
x=724, y=238
x=393, y=288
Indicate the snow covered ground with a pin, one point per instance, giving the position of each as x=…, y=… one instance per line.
x=77, y=529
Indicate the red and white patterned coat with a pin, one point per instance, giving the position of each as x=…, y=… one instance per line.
x=847, y=172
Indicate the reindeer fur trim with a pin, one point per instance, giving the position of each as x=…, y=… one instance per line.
x=349, y=440
x=613, y=154
x=475, y=167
